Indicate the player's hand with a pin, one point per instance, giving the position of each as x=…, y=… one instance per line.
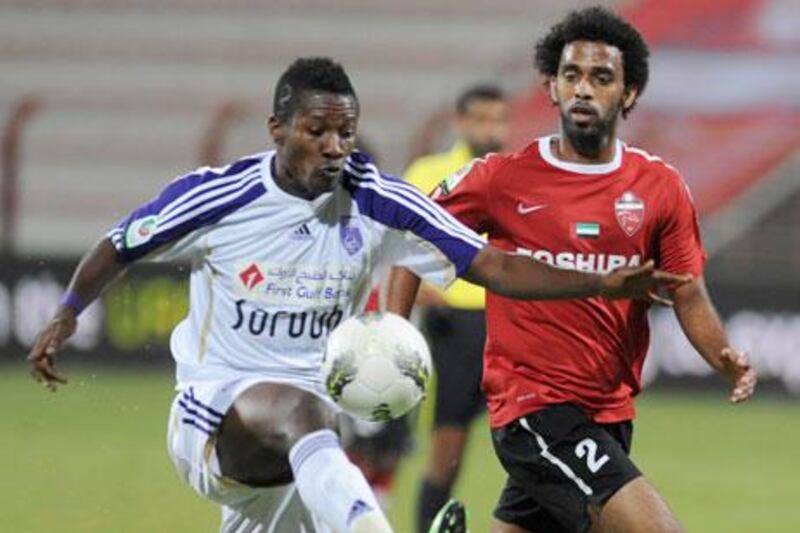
x=736, y=367
x=49, y=341
x=641, y=283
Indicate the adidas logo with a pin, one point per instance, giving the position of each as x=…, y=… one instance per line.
x=302, y=232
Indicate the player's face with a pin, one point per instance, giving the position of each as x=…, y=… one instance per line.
x=590, y=92
x=484, y=126
x=314, y=143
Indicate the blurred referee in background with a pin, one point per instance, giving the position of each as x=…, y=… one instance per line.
x=454, y=320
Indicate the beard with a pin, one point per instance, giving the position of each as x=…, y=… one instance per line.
x=483, y=148
x=589, y=139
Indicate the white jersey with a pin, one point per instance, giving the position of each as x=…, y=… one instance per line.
x=272, y=274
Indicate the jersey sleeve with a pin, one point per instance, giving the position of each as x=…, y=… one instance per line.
x=467, y=193
x=170, y=226
x=400, y=248
x=680, y=247
x=419, y=233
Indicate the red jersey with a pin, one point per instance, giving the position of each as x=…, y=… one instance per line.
x=586, y=217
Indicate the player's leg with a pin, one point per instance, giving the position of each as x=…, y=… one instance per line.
x=447, y=449
x=273, y=432
x=571, y=467
x=635, y=507
x=457, y=338
x=517, y=512
x=194, y=422
x=270, y=509
x=260, y=428
x=377, y=449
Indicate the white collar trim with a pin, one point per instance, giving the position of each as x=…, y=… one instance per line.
x=580, y=168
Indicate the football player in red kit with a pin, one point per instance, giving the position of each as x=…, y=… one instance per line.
x=560, y=376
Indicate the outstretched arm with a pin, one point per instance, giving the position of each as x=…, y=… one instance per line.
x=521, y=277
x=95, y=271
x=703, y=328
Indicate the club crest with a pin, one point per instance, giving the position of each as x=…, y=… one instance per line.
x=630, y=212
x=350, y=235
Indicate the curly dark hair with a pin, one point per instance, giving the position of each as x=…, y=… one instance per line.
x=600, y=25
x=308, y=74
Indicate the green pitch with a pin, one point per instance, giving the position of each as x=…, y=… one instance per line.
x=91, y=458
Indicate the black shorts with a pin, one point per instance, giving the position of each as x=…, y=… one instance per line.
x=559, y=462
x=457, y=337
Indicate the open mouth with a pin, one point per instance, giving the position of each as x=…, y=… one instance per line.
x=330, y=171
x=583, y=115
x=582, y=111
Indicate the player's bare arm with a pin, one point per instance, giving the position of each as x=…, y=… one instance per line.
x=520, y=277
x=703, y=327
x=95, y=271
x=403, y=286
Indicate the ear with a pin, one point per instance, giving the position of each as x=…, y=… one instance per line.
x=276, y=130
x=629, y=97
x=551, y=84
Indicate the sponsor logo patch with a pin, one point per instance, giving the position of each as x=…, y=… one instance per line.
x=297, y=284
x=140, y=231
x=599, y=263
x=251, y=276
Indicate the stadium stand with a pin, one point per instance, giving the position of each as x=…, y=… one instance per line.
x=131, y=92
x=129, y=89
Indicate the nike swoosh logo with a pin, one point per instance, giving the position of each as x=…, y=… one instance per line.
x=523, y=210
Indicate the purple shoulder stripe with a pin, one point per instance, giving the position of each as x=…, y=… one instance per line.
x=188, y=203
x=399, y=206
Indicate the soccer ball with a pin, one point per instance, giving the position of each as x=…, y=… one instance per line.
x=376, y=366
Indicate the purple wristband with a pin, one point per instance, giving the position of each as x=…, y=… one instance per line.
x=73, y=301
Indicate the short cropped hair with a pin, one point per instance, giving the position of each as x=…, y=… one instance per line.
x=308, y=74
x=478, y=92
x=599, y=25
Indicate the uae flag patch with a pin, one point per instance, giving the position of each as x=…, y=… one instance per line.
x=586, y=230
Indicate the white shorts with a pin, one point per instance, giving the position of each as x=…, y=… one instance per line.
x=194, y=419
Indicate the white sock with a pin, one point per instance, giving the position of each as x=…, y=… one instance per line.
x=333, y=487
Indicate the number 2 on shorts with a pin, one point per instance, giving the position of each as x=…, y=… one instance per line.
x=588, y=448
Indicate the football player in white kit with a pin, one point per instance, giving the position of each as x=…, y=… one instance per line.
x=282, y=247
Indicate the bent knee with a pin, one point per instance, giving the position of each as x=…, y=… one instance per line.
x=276, y=415
x=260, y=428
